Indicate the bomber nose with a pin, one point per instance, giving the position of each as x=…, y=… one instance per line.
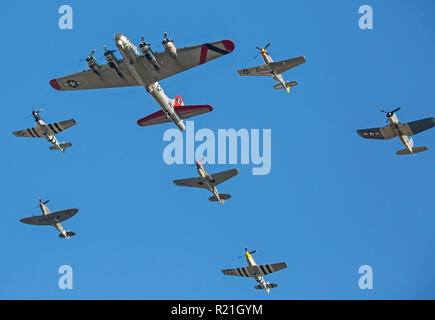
x=198, y=165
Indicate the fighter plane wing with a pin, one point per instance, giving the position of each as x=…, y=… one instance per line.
x=190, y=57
x=414, y=127
x=88, y=79
x=269, y=68
x=53, y=217
x=29, y=133
x=191, y=182
x=40, y=131
x=377, y=133
x=257, y=270
x=220, y=177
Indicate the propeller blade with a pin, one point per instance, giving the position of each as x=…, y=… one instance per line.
x=253, y=251
x=92, y=53
x=267, y=45
x=258, y=48
x=46, y=202
x=395, y=110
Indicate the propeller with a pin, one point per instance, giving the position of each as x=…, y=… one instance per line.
x=267, y=46
x=106, y=52
x=246, y=250
x=34, y=112
x=40, y=201
x=166, y=39
x=200, y=161
x=89, y=57
x=390, y=113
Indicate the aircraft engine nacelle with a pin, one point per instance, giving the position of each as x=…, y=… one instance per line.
x=169, y=46
x=110, y=58
x=145, y=48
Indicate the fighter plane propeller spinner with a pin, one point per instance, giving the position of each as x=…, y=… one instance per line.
x=400, y=130
x=209, y=182
x=274, y=69
x=145, y=68
x=52, y=219
x=256, y=271
x=47, y=131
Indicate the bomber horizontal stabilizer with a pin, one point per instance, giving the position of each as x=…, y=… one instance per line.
x=183, y=112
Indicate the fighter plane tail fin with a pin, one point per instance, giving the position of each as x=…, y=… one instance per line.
x=223, y=196
x=288, y=85
x=268, y=286
x=68, y=233
x=414, y=150
x=62, y=145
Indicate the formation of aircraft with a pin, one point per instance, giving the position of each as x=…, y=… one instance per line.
x=274, y=69
x=209, y=182
x=400, y=130
x=256, y=271
x=47, y=131
x=52, y=219
x=146, y=68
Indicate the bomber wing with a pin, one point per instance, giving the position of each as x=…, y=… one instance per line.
x=88, y=79
x=190, y=57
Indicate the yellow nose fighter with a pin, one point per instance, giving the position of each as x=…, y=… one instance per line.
x=256, y=271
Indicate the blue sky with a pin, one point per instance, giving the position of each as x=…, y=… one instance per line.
x=332, y=201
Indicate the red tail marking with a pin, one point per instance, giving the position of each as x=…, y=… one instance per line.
x=178, y=101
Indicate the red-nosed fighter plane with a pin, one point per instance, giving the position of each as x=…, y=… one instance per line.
x=146, y=68
x=209, y=182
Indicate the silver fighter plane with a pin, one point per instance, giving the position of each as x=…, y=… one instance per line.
x=274, y=69
x=209, y=182
x=47, y=131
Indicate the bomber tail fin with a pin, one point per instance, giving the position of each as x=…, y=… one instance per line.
x=414, y=150
x=288, y=85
